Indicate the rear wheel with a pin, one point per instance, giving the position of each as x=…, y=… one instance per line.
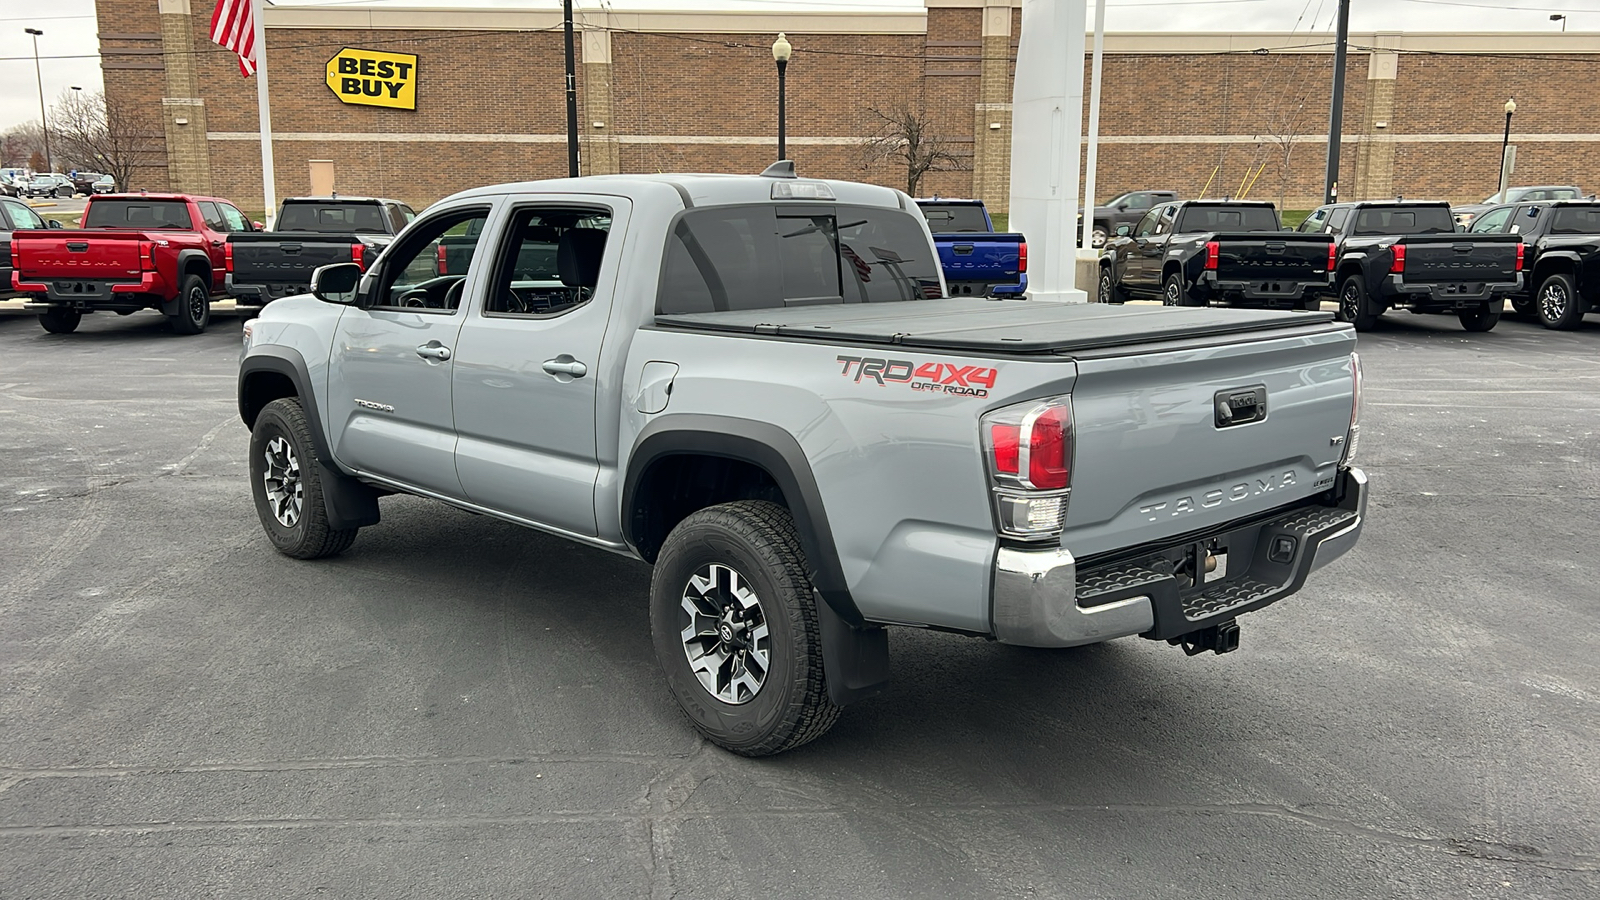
x=287, y=485
x=59, y=320
x=1098, y=236
x=1173, y=292
x=1557, y=303
x=1482, y=319
x=733, y=618
x=194, y=306
x=1355, y=306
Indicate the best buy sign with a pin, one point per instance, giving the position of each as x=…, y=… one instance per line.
x=374, y=78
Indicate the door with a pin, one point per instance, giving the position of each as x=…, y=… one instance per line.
x=389, y=411
x=215, y=236
x=527, y=368
x=1149, y=247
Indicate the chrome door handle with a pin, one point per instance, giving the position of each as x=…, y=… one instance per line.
x=434, y=350
x=566, y=365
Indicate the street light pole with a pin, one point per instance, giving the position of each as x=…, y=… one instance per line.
x=1330, y=182
x=572, y=93
x=1511, y=107
x=1562, y=19
x=781, y=50
x=44, y=126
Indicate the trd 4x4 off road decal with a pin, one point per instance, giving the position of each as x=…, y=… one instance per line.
x=939, y=377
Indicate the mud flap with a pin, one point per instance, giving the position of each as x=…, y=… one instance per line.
x=855, y=661
x=350, y=503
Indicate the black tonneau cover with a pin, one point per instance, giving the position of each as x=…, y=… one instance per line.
x=995, y=326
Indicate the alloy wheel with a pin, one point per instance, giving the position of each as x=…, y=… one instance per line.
x=1553, y=300
x=285, y=491
x=1097, y=238
x=1350, y=302
x=1171, y=297
x=1105, y=287
x=197, y=305
x=726, y=639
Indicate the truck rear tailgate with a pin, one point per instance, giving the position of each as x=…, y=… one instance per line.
x=1460, y=258
x=287, y=259
x=1277, y=257
x=89, y=255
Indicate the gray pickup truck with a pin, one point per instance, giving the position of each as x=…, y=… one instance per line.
x=754, y=384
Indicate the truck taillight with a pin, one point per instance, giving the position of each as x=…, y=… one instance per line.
x=227, y=257
x=1353, y=438
x=1399, y=265
x=1028, y=450
x=1519, y=257
x=1333, y=256
x=1022, y=257
x=358, y=255
x=1213, y=255
x=16, y=260
x=444, y=268
x=147, y=251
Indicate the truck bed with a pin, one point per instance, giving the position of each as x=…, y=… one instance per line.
x=997, y=326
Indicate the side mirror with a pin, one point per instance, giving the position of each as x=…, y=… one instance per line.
x=337, y=283
x=257, y=226
x=55, y=223
x=1124, y=230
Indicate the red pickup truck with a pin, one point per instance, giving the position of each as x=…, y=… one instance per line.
x=134, y=251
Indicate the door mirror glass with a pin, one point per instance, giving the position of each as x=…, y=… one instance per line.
x=1124, y=230
x=336, y=283
x=55, y=223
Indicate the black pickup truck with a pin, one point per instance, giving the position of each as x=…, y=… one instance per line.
x=1196, y=252
x=1404, y=254
x=311, y=232
x=1561, y=256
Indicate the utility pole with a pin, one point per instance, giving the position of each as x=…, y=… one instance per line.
x=572, y=95
x=43, y=125
x=1330, y=184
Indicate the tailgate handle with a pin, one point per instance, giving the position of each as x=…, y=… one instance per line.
x=1461, y=248
x=77, y=246
x=962, y=249
x=289, y=248
x=1240, y=406
x=1275, y=246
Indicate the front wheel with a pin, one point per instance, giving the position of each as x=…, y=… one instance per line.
x=287, y=485
x=1098, y=237
x=1558, y=304
x=1110, y=292
x=734, y=623
x=60, y=321
x=1355, y=306
x=194, y=306
x=1482, y=319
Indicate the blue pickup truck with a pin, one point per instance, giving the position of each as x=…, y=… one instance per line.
x=977, y=261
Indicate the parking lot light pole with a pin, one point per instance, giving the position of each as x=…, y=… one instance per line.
x=1511, y=107
x=43, y=125
x=1557, y=17
x=781, y=50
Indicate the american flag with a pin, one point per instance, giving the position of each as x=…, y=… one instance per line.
x=233, y=26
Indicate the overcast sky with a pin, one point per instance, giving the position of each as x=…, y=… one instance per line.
x=68, y=47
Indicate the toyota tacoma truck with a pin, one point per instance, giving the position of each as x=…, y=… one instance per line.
x=1406, y=254
x=311, y=232
x=755, y=385
x=134, y=251
x=1561, y=257
x=1197, y=252
x=977, y=261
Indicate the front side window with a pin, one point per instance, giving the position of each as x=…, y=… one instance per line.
x=22, y=217
x=1146, y=226
x=1314, y=222
x=235, y=219
x=428, y=271
x=1492, y=222
x=550, y=261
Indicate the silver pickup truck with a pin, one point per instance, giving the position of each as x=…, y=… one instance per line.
x=757, y=385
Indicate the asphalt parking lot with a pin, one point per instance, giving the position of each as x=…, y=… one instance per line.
x=460, y=708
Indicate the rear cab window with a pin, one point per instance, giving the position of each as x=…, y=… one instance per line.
x=954, y=217
x=722, y=258
x=138, y=213
x=333, y=218
x=1575, y=220
x=1381, y=220
x=1220, y=217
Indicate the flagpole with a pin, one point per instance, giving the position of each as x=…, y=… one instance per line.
x=269, y=187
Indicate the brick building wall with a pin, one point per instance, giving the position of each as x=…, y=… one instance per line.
x=697, y=91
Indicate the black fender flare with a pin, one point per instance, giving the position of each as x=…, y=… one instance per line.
x=855, y=655
x=1547, y=261
x=351, y=504
x=186, y=260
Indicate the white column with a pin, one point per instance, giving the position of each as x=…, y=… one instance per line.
x=1046, y=132
x=269, y=186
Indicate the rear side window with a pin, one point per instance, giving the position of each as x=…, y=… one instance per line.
x=1576, y=220
x=770, y=257
x=1404, y=220
x=138, y=213
x=336, y=218
x=944, y=218
x=1227, y=218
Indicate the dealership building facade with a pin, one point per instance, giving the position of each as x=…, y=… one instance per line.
x=477, y=96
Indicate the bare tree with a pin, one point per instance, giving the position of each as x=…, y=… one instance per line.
x=103, y=135
x=904, y=136
x=1286, y=128
x=19, y=143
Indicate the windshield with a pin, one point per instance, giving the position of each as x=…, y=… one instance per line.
x=954, y=217
x=341, y=218
x=1196, y=218
x=1576, y=220
x=1403, y=220
x=140, y=213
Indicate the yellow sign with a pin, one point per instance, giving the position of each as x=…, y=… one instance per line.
x=374, y=78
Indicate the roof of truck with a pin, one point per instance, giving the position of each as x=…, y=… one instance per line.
x=697, y=189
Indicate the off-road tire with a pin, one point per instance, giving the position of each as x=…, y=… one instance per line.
x=1110, y=291
x=757, y=541
x=194, y=306
x=310, y=536
x=1557, y=303
x=1355, y=306
x=60, y=321
x=1481, y=320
